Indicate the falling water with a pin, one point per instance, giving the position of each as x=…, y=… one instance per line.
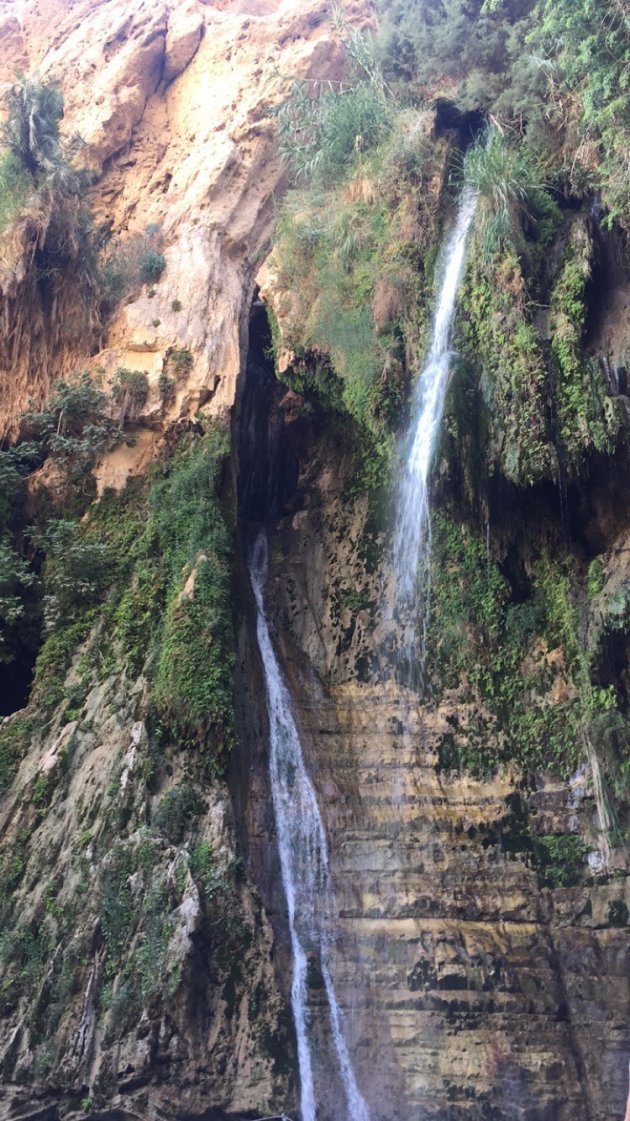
x=304, y=866
x=604, y=817
x=412, y=540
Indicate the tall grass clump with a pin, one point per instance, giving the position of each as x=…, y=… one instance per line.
x=14, y=189
x=323, y=130
x=503, y=179
x=38, y=168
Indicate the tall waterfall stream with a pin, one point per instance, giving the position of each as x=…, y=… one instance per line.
x=412, y=536
x=303, y=852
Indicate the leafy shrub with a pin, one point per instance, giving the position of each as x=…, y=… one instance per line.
x=151, y=265
x=180, y=360
x=75, y=427
x=16, y=463
x=559, y=857
x=588, y=48
x=167, y=389
x=203, y=867
x=77, y=572
x=177, y=811
x=53, y=662
x=553, y=72
x=16, y=576
x=121, y=266
x=130, y=392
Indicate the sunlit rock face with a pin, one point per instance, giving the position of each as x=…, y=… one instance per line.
x=174, y=104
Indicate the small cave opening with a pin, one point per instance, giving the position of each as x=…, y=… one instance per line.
x=268, y=466
x=468, y=124
x=16, y=678
x=607, y=292
x=22, y=638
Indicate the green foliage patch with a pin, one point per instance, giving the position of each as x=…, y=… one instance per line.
x=523, y=666
x=173, y=617
x=559, y=858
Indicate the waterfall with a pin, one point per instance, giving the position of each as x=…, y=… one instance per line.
x=303, y=852
x=604, y=817
x=412, y=538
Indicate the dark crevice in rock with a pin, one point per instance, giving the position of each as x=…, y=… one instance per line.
x=15, y=682
x=268, y=466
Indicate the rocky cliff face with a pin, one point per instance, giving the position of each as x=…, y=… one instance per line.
x=482, y=965
x=473, y=984
x=173, y=103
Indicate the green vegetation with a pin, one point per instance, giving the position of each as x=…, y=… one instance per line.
x=37, y=171
x=14, y=189
x=147, y=576
x=587, y=417
x=75, y=428
x=144, y=576
x=322, y=131
x=559, y=857
x=356, y=238
x=180, y=361
x=175, y=813
x=124, y=264
x=130, y=392
x=167, y=388
x=588, y=92
x=508, y=192
x=151, y=265
x=16, y=577
x=522, y=666
x=137, y=927
x=350, y=255
x=173, y=616
x=471, y=54
x=499, y=340
x=15, y=737
x=555, y=74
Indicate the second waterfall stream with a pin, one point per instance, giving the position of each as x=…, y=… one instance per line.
x=303, y=851
x=412, y=535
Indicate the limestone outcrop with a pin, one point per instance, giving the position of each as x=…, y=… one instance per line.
x=174, y=103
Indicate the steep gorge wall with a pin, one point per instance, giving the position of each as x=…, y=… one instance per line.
x=472, y=987
x=174, y=106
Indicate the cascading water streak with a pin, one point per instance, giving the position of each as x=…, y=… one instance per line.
x=412, y=538
x=303, y=851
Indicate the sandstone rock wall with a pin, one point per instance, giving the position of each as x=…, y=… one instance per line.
x=174, y=103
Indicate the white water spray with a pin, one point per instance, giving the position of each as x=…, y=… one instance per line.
x=412, y=540
x=303, y=851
